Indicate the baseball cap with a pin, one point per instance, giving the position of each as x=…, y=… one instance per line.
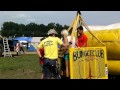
x=52, y=31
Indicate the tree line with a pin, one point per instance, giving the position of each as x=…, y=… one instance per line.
x=30, y=30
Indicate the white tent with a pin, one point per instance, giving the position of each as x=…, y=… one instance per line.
x=108, y=27
x=36, y=39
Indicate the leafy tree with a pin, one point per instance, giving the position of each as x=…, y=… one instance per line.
x=30, y=30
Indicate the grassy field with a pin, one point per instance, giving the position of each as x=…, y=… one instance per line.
x=23, y=67
x=20, y=67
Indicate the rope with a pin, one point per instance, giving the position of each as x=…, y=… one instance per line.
x=78, y=20
x=90, y=31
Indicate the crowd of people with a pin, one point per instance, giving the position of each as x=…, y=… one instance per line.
x=49, y=48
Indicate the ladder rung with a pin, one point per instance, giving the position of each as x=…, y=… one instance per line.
x=6, y=48
x=7, y=51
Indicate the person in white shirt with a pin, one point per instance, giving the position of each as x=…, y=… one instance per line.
x=17, y=48
x=65, y=60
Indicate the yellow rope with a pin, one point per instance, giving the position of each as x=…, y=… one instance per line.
x=78, y=19
x=90, y=30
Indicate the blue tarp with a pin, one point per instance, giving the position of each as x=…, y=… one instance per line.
x=31, y=48
x=28, y=39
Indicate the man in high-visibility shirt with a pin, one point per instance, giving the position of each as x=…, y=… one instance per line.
x=82, y=38
x=50, y=45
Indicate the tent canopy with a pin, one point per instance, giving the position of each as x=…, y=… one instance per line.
x=28, y=39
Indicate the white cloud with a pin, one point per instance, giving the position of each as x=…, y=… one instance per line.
x=22, y=15
x=31, y=20
x=101, y=17
x=16, y=16
x=61, y=17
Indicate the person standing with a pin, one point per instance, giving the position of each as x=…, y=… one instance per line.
x=50, y=45
x=17, y=48
x=65, y=70
x=82, y=39
x=21, y=48
x=41, y=60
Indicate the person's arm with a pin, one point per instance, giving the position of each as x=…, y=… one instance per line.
x=38, y=50
x=59, y=41
x=65, y=44
x=76, y=42
x=84, y=45
x=85, y=41
x=66, y=41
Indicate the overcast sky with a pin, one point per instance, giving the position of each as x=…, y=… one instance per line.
x=61, y=17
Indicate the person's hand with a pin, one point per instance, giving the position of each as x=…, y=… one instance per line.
x=42, y=58
x=58, y=49
x=78, y=47
x=70, y=43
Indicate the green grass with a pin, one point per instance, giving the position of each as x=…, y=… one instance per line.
x=21, y=67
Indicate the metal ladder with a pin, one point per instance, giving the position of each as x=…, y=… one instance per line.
x=7, y=52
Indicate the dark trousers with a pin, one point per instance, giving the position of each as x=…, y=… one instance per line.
x=21, y=49
x=50, y=68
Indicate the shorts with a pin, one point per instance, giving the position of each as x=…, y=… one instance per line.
x=66, y=57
